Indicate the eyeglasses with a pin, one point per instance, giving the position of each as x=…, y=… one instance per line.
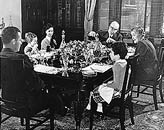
x=115, y=29
x=50, y=31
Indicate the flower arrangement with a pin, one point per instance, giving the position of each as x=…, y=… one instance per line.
x=74, y=54
x=80, y=53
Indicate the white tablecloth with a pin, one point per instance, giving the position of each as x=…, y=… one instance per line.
x=46, y=69
x=96, y=67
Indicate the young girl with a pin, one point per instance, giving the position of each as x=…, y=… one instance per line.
x=48, y=41
x=32, y=46
x=106, y=91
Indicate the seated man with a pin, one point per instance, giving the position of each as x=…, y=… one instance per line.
x=35, y=91
x=110, y=36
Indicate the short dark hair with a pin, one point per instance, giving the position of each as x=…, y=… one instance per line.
x=9, y=33
x=120, y=48
x=46, y=27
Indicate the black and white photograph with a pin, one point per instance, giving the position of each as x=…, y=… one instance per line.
x=82, y=64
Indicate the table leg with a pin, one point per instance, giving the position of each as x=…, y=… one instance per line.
x=78, y=110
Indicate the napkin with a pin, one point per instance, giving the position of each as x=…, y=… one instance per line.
x=106, y=92
x=46, y=69
x=98, y=67
x=35, y=55
x=48, y=54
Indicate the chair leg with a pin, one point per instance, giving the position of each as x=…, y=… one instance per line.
x=22, y=121
x=27, y=123
x=122, y=117
x=91, y=114
x=51, y=121
x=92, y=110
x=138, y=90
x=131, y=112
x=0, y=119
x=160, y=90
x=155, y=97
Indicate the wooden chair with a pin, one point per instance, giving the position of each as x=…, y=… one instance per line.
x=155, y=84
x=14, y=103
x=121, y=102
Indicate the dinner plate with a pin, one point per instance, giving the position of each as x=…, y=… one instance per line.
x=89, y=73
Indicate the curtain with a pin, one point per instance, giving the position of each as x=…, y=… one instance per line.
x=88, y=20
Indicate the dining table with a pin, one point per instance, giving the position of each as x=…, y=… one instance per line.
x=77, y=80
x=77, y=83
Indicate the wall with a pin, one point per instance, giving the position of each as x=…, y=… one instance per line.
x=10, y=10
x=106, y=11
x=156, y=18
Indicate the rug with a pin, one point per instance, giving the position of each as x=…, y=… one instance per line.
x=146, y=118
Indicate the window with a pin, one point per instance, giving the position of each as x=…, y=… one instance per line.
x=103, y=14
x=108, y=11
x=135, y=12
x=162, y=28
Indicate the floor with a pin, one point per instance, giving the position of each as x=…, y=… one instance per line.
x=146, y=118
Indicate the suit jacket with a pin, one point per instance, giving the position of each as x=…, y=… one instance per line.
x=147, y=66
x=1, y=45
x=103, y=36
x=33, y=93
x=34, y=84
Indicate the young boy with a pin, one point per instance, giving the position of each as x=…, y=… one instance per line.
x=32, y=46
x=106, y=91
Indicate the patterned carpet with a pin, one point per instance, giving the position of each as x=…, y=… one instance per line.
x=146, y=118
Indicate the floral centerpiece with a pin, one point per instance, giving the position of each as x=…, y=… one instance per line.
x=78, y=54
x=73, y=55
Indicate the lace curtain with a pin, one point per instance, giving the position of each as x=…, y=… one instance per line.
x=88, y=20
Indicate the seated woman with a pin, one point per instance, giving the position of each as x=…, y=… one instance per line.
x=105, y=91
x=147, y=65
x=48, y=43
x=32, y=46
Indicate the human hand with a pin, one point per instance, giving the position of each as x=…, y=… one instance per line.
x=110, y=40
x=35, y=47
x=97, y=38
x=109, y=83
x=54, y=41
x=92, y=34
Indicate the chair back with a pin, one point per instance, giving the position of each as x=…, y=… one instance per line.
x=12, y=79
x=129, y=78
x=14, y=102
x=132, y=61
x=161, y=60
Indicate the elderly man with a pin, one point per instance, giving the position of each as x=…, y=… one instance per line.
x=36, y=94
x=110, y=36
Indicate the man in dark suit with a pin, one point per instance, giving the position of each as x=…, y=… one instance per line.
x=110, y=36
x=35, y=89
